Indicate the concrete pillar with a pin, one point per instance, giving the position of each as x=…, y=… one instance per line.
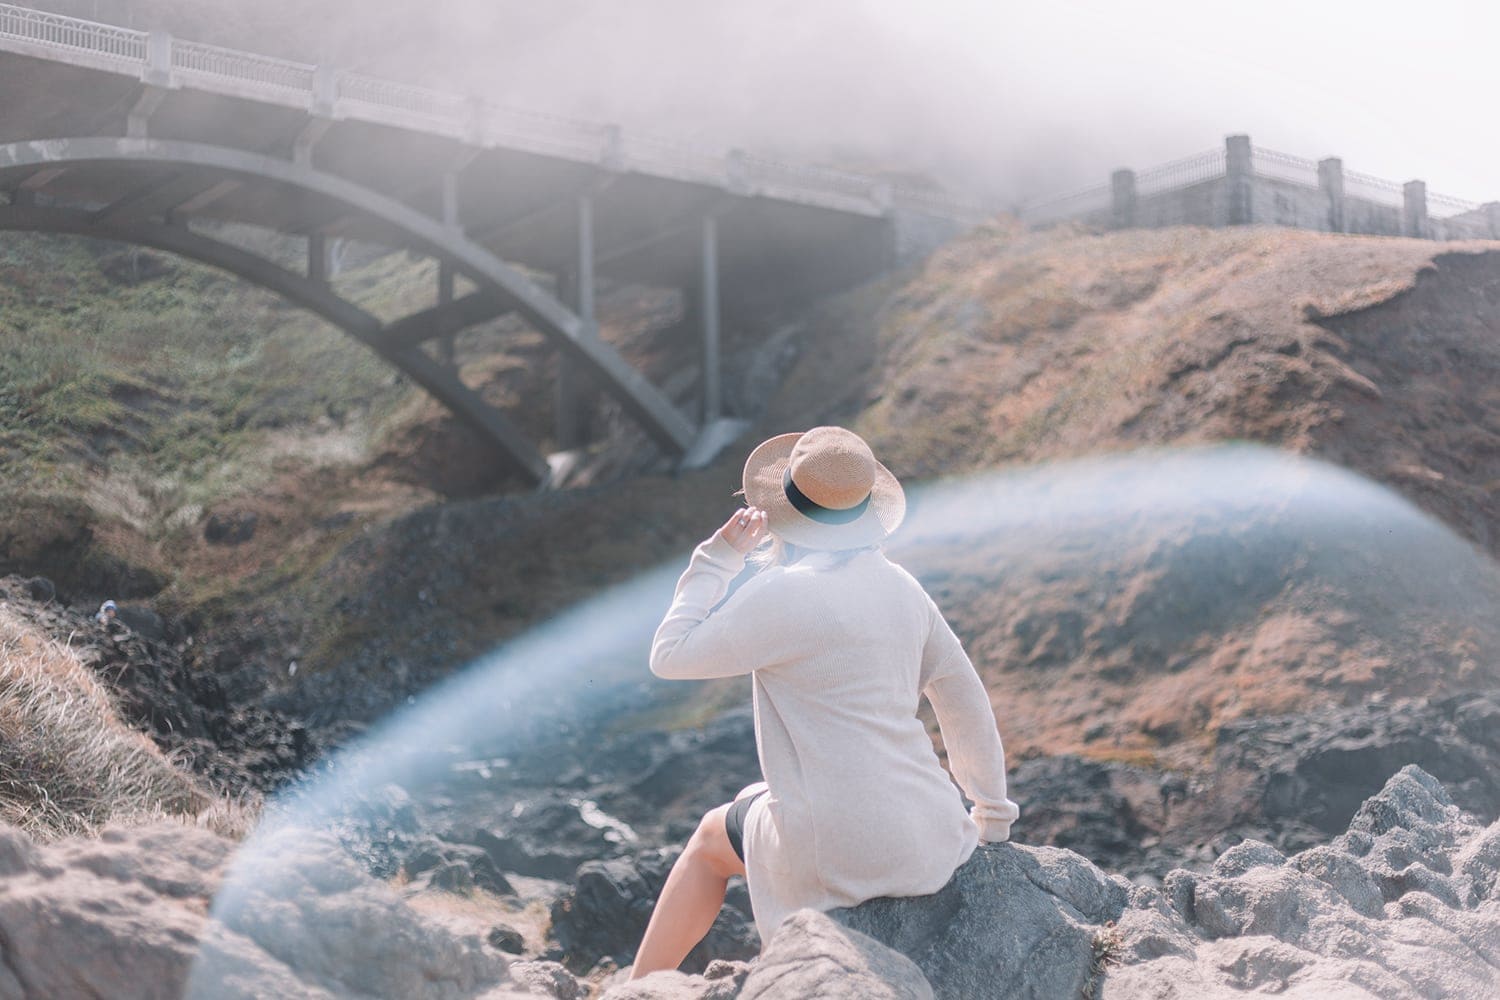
x=325, y=89
x=317, y=258
x=1122, y=189
x=1491, y=211
x=577, y=286
x=1239, y=180
x=737, y=173
x=1414, y=209
x=158, y=72
x=1331, y=183
x=446, y=345
x=708, y=312
x=612, y=149
x=450, y=198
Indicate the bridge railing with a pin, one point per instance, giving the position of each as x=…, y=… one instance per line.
x=195, y=62
x=1180, y=173
x=1243, y=183
x=85, y=37
x=370, y=98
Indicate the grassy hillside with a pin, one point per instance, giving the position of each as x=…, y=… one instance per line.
x=1131, y=637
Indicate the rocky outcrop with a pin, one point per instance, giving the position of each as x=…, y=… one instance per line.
x=1034, y=937
x=126, y=916
x=1405, y=903
x=812, y=956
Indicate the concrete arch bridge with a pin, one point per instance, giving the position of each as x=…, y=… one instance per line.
x=151, y=140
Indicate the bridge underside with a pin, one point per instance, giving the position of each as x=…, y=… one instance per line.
x=75, y=157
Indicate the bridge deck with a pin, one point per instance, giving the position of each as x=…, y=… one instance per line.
x=784, y=232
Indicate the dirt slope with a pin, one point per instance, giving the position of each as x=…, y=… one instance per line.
x=1129, y=635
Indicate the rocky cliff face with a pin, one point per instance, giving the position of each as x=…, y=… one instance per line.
x=1404, y=903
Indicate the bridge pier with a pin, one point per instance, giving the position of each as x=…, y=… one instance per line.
x=317, y=258
x=1331, y=183
x=708, y=314
x=447, y=348
x=572, y=390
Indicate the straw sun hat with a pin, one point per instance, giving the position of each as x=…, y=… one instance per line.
x=823, y=489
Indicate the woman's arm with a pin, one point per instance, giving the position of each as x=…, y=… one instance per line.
x=964, y=715
x=692, y=641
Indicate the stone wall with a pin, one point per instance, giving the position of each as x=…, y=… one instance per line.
x=1243, y=192
x=1201, y=204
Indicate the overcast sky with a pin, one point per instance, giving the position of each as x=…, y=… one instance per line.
x=1022, y=98
x=1010, y=99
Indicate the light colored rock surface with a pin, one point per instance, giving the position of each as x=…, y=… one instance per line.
x=812, y=956
x=114, y=917
x=306, y=905
x=722, y=980
x=1402, y=905
x=126, y=916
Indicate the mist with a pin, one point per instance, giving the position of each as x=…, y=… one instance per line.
x=1004, y=101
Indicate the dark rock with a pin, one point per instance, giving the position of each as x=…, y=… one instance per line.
x=506, y=939
x=41, y=589
x=143, y=622
x=1048, y=900
x=454, y=876
x=606, y=912
x=133, y=266
x=230, y=527
x=1320, y=767
x=547, y=839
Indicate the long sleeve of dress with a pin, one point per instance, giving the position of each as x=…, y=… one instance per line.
x=967, y=721
x=771, y=619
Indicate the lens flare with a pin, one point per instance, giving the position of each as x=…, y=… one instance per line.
x=588, y=665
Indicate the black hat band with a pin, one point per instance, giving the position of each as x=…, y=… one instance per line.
x=810, y=508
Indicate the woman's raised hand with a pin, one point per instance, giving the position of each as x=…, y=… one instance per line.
x=745, y=528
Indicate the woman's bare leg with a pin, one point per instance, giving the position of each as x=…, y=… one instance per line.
x=692, y=897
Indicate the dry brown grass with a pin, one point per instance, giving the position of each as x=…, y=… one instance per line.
x=69, y=765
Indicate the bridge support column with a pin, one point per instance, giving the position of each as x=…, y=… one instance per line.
x=317, y=258
x=1239, y=180
x=572, y=384
x=1331, y=183
x=708, y=314
x=1492, y=216
x=448, y=343
x=1122, y=199
x=1414, y=209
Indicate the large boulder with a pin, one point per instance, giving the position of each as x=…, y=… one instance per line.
x=810, y=955
x=307, y=906
x=127, y=915
x=1014, y=921
x=1404, y=904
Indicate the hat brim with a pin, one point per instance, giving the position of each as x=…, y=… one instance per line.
x=762, y=483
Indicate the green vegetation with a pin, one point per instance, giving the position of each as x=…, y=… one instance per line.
x=174, y=384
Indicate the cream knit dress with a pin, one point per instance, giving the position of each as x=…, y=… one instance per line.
x=839, y=655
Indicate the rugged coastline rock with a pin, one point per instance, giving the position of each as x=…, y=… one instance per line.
x=1405, y=903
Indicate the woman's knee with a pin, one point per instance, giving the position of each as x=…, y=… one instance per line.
x=710, y=845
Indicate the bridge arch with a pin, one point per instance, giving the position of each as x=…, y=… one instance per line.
x=179, y=172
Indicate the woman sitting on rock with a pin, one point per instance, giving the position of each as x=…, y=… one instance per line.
x=840, y=644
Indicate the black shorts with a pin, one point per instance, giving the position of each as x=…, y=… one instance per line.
x=734, y=822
